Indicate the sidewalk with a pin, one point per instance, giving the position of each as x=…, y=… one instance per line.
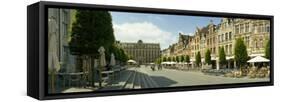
x=169, y=77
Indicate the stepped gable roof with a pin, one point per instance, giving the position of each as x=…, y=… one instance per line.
x=184, y=37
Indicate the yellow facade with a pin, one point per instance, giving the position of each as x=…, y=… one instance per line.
x=255, y=34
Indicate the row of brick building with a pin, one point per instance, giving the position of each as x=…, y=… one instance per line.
x=254, y=32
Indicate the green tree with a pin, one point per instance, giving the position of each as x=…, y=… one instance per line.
x=130, y=57
x=177, y=59
x=116, y=51
x=91, y=30
x=222, y=59
x=187, y=58
x=164, y=59
x=124, y=56
x=169, y=59
x=208, y=57
x=198, y=58
x=267, y=49
x=240, y=52
x=158, y=60
x=182, y=58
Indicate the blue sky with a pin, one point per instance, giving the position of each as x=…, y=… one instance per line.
x=155, y=28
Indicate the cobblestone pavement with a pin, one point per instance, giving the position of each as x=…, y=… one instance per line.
x=170, y=77
x=144, y=77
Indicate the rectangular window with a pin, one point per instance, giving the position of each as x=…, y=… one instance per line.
x=226, y=36
x=230, y=49
x=267, y=29
x=248, y=41
x=257, y=46
x=259, y=28
x=241, y=28
x=230, y=36
x=263, y=28
x=219, y=38
x=247, y=27
x=237, y=29
x=222, y=36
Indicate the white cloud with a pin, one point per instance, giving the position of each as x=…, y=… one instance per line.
x=145, y=31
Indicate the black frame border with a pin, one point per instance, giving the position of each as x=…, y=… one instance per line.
x=43, y=28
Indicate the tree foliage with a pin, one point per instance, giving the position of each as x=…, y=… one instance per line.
x=164, y=59
x=240, y=52
x=182, y=59
x=187, y=58
x=267, y=49
x=91, y=30
x=158, y=60
x=169, y=59
x=177, y=59
x=124, y=57
x=208, y=57
x=222, y=57
x=198, y=58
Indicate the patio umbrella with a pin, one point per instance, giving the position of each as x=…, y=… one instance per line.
x=173, y=63
x=182, y=63
x=258, y=59
x=112, y=60
x=131, y=61
x=102, y=63
x=164, y=62
x=53, y=61
x=102, y=56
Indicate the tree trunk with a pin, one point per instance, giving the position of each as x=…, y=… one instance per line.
x=91, y=71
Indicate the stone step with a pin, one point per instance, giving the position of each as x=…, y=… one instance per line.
x=123, y=83
x=137, y=83
x=130, y=82
x=120, y=81
x=143, y=81
x=134, y=78
x=151, y=83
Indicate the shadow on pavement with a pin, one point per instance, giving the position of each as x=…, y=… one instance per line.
x=163, y=81
x=140, y=79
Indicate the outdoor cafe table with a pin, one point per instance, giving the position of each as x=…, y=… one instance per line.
x=78, y=75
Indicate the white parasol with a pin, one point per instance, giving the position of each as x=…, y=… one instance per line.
x=112, y=60
x=258, y=59
x=53, y=61
x=102, y=56
x=131, y=61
